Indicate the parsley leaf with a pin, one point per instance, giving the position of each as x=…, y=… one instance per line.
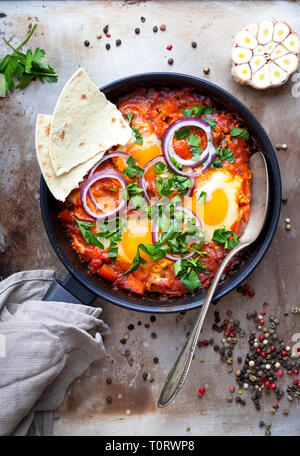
x=138, y=136
x=133, y=170
x=88, y=236
x=187, y=270
x=197, y=111
x=182, y=133
x=24, y=67
x=132, y=190
x=202, y=197
x=229, y=238
x=223, y=154
x=240, y=132
x=129, y=117
x=210, y=122
x=159, y=167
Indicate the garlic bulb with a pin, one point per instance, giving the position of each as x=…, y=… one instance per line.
x=265, y=54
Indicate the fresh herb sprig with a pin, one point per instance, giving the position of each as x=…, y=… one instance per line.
x=88, y=236
x=137, y=134
x=227, y=237
x=187, y=271
x=197, y=111
x=240, y=132
x=24, y=67
x=133, y=170
x=223, y=155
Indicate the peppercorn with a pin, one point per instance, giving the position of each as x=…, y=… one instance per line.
x=169, y=47
x=194, y=44
x=155, y=29
x=123, y=341
x=86, y=43
x=137, y=30
x=109, y=381
x=99, y=36
x=105, y=29
x=107, y=46
x=284, y=146
x=145, y=376
x=143, y=19
x=153, y=335
x=109, y=399
x=163, y=27
x=278, y=147
x=155, y=360
x=153, y=318
x=130, y=327
x=206, y=70
x=118, y=42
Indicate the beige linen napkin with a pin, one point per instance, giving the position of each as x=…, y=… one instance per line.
x=44, y=346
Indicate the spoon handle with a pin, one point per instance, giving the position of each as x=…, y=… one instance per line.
x=180, y=369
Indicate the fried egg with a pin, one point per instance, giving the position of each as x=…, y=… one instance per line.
x=221, y=206
x=138, y=231
x=143, y=153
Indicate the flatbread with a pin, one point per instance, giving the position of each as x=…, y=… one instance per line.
x=59, y=186
x=84, y=124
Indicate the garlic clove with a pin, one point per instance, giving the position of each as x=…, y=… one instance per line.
x=269, y=47
x=292, y=43
x=281, y=31
x=278, y=52
x=265, y=32
x=288, y=62
x=257, y=62
x=261, y=79
x=242, y=73
x=252, y=28
x=277, y=75
x=259, y=50
x=246, y=39
x=241, y=55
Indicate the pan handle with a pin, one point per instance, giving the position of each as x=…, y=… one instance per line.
x=69, y=290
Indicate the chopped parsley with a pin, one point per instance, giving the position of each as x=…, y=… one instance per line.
x=111, y=229
x=223, y=155
x=133, y=170
x=210, y=122
x=240, y=132
x=88, y=236
x=182, y=133
x=202, y=197
x=137, y=134
x=227, y=237
x=132, y=190
x=159, y=167
x=197, y=111
x=155, y=251
x=166, y=185
x=187, y=271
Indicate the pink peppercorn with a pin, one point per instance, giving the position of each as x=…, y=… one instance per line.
x=273, y=386
x=258, y=351
x=283, y=352
x=265, y=304
x=261, y=338
x=263, y=312
x=273, y=348
x=201, y=392
x=169, y=47
x=280, y=373
x=163, y=27
x=229, y=313
x=263, y=354
x=205, y=343
x=108, y=35
x=251, y=293
x=296, y=372
x=296, y=382
x=267, y=384
x=261, y=322
x=232, y=389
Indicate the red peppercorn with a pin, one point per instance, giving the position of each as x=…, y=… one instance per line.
x=296, y=382
x=263, y=312
x=233, y=334
x=226, y=322
x=296, y=372
x=267, y=384
x=169, y=47
x=232, y=389
x=265, y=304
x=251, y=293
x=246, y=288
x=261, y=322
x=263, y=354
x=273, y=386
x=163, y=27
x=273, y=348
x=275, y=406
x=283, y=352
x=205, y=343
x=232, y=328
x=261, y=338
x=226, y=333
x=229, y=313
x=258, y=351
x=202, y=390
x=289, y=372
x=108, y=35
x=224, y=327
x=298, y=349
x=280, y=373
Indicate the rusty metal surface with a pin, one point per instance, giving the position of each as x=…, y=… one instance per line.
x=63, y=26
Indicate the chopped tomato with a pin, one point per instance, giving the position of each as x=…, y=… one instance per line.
x=107, y=272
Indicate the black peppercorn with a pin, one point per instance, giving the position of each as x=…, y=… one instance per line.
x=137, y=30
x=86, y=43
x=107, y=46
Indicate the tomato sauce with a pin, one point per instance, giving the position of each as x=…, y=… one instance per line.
x=154, y=110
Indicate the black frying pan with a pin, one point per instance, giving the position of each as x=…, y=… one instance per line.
x=81, y=287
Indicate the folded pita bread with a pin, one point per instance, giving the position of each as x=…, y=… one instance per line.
x=59, y=186
x=84, y=124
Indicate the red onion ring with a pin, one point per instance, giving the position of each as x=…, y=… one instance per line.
x=103, y=159
x=208, y=154
x=90, y=181
x=155, y=232
x=144, y=184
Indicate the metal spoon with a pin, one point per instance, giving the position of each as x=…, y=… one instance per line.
x=259, y=205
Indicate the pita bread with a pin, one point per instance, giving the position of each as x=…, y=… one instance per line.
x=84, y=124
x=59, y=186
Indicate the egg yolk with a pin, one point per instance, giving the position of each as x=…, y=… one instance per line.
x=216, y=208
x=138, y=231
x=144, y=153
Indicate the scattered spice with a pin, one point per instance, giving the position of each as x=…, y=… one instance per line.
x=156, y=360
x=109, y=399
x=145, y=376
x=137, y=30
x=194, y=44
x=153, y=335
x=99, y=36
x=201, y=392
x=170, y=61
x=163, y=27
x=155, y=29
x=105, y=29
x=130, y=327
x=278, y=147
x=123, y=341
x=284, y=146
x=109, y=381
x=153, y=318
x=107, y=46
x=169, y=47
x=143, y=19
x=108, y=35
x=118, y=42
x=206, y=70
x=86, y=43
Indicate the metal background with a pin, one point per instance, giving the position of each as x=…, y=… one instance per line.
x=63, y=27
